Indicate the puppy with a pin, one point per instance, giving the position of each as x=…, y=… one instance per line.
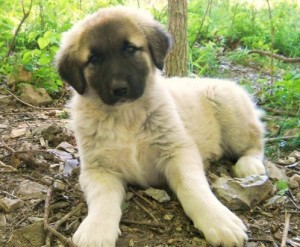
x=134, y=126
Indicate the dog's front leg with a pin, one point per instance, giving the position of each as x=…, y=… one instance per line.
x=185, y=175
x=104, y=193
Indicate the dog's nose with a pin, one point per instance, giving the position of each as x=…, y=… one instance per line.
x=119, y=88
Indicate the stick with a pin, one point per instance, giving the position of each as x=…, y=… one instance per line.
x=62, y=238
x=142, y=223
x=143, y=198
x=280, y=112
x=32, y=106
x=280, y=138
x=145, y=209
x=285, y=231
x=282, y=58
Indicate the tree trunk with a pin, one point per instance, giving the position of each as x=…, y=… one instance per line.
x=176, y=62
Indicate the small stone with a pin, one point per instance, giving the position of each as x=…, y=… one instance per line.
x=47, y=180
x=178, y=228
x=158, y=195
x=275, y=172
x=128, y=196
x=276, y=201
x=168, y=217
x=66, y=147
x=287, y=161
x=10, y=205
x=242, y=193
x=30, y=190
x=295, y=154
x=59, y=185
x=131, y=243
x=294, y=181
x=18, y=132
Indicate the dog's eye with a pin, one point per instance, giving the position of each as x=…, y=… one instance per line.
x=94, y=59
x=130, y=50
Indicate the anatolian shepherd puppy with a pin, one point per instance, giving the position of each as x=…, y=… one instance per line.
x=134, y=126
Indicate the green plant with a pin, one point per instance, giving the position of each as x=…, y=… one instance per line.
x=282, y=187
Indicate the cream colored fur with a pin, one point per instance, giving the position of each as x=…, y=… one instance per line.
x=169, y=134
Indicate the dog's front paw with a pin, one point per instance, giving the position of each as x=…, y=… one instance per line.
x=94, y=233
x=222, y=228
x=247, y=166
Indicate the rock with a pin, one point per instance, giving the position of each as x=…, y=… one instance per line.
x=168, y=217
x=242, y=193
x=55, y=134
x=29, y=190
x=66, y=147
x=21, y=75
x=276, y=201
x=158, y=195
x=3, y=222
x=287, y=161
x=274, y=172
x=294, y=181
x=18, y=132
x=59, y=185
x=10, y=205
x=32, y=235
x=62, y=155
x=295, y=154
x=34, y=96
x=70, y=165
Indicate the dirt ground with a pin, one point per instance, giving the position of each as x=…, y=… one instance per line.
x=27, y=137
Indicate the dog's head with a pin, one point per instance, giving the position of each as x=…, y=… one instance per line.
x=113, y=52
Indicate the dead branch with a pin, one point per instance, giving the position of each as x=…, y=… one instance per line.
x=286, y=229
x=10, y=168
x=25, y=16
x=281, y=112
x=62, y=238
x=280, y=138
x=209, y=3
x=27, y=104
x=280, y=57
x=143, y=198
x=145, y=210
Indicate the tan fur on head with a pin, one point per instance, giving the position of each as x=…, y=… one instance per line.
x=133, y=126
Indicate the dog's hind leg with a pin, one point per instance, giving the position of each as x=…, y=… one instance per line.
x=242, y=130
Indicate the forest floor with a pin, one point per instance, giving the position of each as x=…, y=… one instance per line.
x=32, y=164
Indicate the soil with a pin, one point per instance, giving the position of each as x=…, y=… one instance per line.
x=145, y=222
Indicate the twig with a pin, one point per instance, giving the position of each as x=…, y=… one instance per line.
x=47, y=204
x=281, y=112
x=142, y=223
x=5, y=146
x=32, y=106
x=280, y=138
x=145, y=209
x=209, y=3
x=25, y=16
x=143, y=198
x=286, y=229
x=272, y=43
x=62, y=238
x=8, y=167
x=67, y=216
x=280, y=57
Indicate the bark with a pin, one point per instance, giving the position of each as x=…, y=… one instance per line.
x=176, y=62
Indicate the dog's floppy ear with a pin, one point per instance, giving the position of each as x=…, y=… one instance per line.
x=69, y=68
x=159, y=43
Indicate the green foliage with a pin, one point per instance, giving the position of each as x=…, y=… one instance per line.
x=284, y=93
x=282, y=187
